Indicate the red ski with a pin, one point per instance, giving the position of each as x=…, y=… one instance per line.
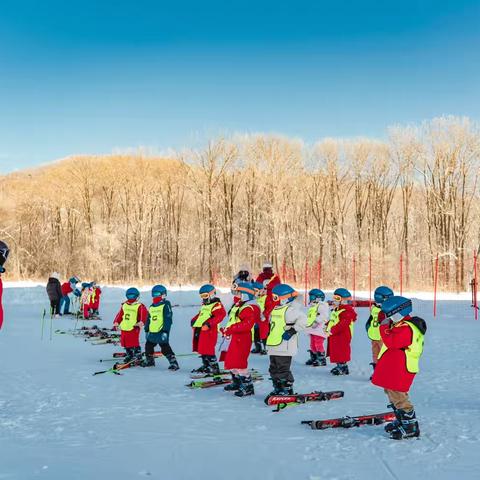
x=283, y=401
x=348, y=422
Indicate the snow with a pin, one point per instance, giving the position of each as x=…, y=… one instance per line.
x=57, y=421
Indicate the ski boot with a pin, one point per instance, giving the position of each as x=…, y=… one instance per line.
x=407, y=427
x=129, y=353
x=373, y=366
x=263, y=350
x=283, y=387
x=390, y=427
x=340, y=369
x=173, y=363
x=213, y=366
x=246, y=387
x=312, y=358
x=322, y=361
x=138, y=355
x=204, y=368
x=235, y=385
x=257, y=347
x=149, y=361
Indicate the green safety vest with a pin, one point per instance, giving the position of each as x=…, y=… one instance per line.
x=205, y=314
x=335, y=318
x=277, y=326
x=130, y=315
x=414, y=351
x=232, y=316
x=261, y=302
x=312, y=314
x=374, y=328
x=156, y=318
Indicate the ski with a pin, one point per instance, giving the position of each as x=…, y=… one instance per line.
x=120, y=366
x=199, y=375
x=106, y=341
x=284, y=401
x=216, y=381
x=156, y=354
x=348, y=422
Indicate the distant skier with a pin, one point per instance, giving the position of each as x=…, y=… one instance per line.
x=204, y=327
x=4, y=251
x=157, y=328
x=242, y=317
x=287, y=319
x=317, y=319
x=67, y=288
x=54, y=292
x=131, y=317
x=398, y=363
x=380, y=295
x=261, y=328
x=340, y=331
x=269, y=279
x=243, y=275
x=95, y=299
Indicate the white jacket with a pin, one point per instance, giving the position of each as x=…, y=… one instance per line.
x=320, y=324
x=296, y=318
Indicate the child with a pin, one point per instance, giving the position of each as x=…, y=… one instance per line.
x=373, y=331
x=287, y=319
x=67, y=288
x=95, y=299
x=157, y=328
x=130, y=318
x=204, y=326
x=402, y=337
x=317, y=319
x=340, y=331
x=261, y=328
x=243, y=317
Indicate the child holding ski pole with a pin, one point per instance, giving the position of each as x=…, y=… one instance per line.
x=398, y=363
x=130, y=318
x=317, y=319
x=157, y=328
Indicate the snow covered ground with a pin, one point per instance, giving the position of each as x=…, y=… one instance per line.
x=57, y=421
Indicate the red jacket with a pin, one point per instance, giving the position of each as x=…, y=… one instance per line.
x=131, y=339
x=269, y=303
x=66, y=288
x=338, y=348
x=205, y=337
x=391, y=369
x=1, y=306
x=98, y=293
x=240, y=334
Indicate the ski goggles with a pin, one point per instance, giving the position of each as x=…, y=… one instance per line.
x=338, y=298
x=242, y=289
x=278, y=298
x=206, y=295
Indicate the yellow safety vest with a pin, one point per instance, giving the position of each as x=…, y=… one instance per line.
x=130, y=315
x=414, y=351
x=277, y=326
x=312, y=314
x=232, y=316
x=261, y=302
x=205, y=314
x=374, y=328
x=335, y=318
x=156, y=318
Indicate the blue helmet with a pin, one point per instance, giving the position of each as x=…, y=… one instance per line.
x=283, y=293
x=343, y=293
x=74, y=280
x=159, y=291
x=258, y=287
x=85, y=285
x=132, y=293
x=246, y=290
x=382, y=293
x=207, y=292
x=314, y=294
x=397, y=307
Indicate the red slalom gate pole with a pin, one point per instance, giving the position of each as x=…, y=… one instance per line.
x=284, y=271
x=319, y=272
x=435, y=282
x=370, y=280
x=354, y=274
x=475, y=303
x=401, y=274
x=306, y=282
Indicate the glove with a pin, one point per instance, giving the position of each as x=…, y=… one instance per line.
x=227, y=332
x=115, y=327
x=288, y=334
x=205, y=327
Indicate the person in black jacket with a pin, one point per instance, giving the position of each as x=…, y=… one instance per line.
x=54, y=292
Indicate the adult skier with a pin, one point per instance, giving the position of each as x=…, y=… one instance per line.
x=54, y=292
x=340, y=331
x=4, y=251
x=398, y=363
x=157, y=328
x=270, y=280
x=204, y=328
x=287, y=319
x=317, y=319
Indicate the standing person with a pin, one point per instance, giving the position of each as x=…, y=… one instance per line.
x=204, y=328
x=270, y=280
x=261, y=328
x=340, y=331
x=380, y=295
x=95, y=299
x=54, y=292
x=242, y=318
x=4, y=251
x=398, y=363
x=317, y=319
x=131, y=317
x=67, y=288
x=157, y=328
x=287, y=319
x=243, y=275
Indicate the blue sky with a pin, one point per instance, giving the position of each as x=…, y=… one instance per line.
x=97, y=76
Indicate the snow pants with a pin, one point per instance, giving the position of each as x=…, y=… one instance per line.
x=399, y=400
x=164, y=347
x=55, y=307
x=280, y=368
x=65, y=304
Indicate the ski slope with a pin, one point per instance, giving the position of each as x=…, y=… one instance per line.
x=57, y=421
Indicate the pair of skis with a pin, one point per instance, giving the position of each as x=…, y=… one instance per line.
x=219, y=380
x=349, y=422
x=284, y=401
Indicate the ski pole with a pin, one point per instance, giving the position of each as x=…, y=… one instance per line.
x=51, y=322
x=43, y=321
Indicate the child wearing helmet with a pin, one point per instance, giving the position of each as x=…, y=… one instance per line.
x=340, y=331
x=130, y=318
x=67, y=288
x=261, y=328
x=287, y=319
x=270, y=280
x=380, y=295
x=97, y=293
x=317, y=319
x=157, y=328
x=204, y=327
x=242, y=317
x=398, y=363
